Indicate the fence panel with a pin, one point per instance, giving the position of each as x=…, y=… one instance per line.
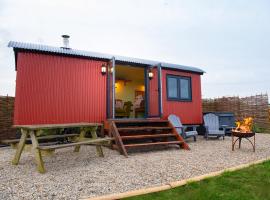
x=255, y=106
x=6, y=117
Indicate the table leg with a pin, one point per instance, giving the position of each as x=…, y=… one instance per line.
x=20, y=147
x=37, y=153
x=94, y=136
x=81, y=137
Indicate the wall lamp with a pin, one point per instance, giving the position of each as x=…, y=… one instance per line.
x=150, y=74
x=111, y=69
x=103, y=69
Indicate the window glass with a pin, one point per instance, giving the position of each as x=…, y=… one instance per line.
x=184, y=88
x=178, y=88
x=172, y=87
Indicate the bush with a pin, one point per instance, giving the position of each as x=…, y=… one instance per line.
x=257, y=129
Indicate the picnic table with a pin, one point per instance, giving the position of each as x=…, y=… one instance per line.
x=35, y=130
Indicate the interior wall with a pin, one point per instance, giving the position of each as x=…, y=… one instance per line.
x=126, y=92
x=128, y=80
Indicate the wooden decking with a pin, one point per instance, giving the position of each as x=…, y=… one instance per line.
x=129, y=134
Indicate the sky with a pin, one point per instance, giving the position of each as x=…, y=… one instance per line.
x=228, y=39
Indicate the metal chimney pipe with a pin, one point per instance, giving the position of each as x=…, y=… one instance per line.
x=65, y=41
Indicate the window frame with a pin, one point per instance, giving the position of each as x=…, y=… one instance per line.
x=178, y=98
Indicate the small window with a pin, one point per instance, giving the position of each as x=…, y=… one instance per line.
x=179, y=88
x=173, y=85
x=185, y=88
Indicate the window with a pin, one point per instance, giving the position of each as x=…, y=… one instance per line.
x=173, y=85
x=178, y=88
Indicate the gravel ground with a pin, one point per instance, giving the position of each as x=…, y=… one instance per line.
x=73, y=175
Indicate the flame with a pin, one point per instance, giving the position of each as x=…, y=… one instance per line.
x=244, y=126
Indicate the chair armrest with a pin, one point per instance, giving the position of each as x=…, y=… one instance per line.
x=185, y=127
x=182, y=130
x=178, y=127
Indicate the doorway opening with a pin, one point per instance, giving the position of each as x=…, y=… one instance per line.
x=129, y=92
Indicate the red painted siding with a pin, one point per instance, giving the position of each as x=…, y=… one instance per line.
x=58, y=89
x=153, y=94
x=189, y=112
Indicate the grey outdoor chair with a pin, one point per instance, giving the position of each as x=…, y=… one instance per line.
x=211, y=123
x=180, y=128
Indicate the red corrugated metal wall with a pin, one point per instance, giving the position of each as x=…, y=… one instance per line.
x=189, y=112
x=58, y=89
x=153, y=105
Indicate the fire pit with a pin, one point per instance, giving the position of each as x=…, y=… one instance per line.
x=243, y=130
x=236, y=135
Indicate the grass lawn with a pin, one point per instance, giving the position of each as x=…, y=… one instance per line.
x=249, y=183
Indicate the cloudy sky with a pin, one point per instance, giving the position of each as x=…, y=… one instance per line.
x=229, y=39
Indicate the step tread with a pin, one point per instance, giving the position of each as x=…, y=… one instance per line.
x=152, y=143
x=144, y=128
x=139, y=121
x=147, y=136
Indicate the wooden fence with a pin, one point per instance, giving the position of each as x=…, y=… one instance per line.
x=6, y=117
x=255, y=106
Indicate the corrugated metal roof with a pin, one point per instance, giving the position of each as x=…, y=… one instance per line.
x=90, y=54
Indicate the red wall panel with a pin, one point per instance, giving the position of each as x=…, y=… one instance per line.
x=153, y=105
x=58, y=89
x=189, y=112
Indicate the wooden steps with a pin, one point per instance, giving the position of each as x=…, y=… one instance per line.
x=141, y=121
x=129, y=134
x=129, y=137
x=143, y=128
x=152, y=143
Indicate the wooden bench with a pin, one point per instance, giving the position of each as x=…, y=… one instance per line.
x=34, y=130
x=13, y=142
x=95, y=142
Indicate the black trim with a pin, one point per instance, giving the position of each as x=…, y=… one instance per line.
x=159, y=70
x=109, y=101
x=146, y=93
x=16, y=58
x=178, y=98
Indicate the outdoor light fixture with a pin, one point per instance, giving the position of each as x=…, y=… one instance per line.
x=150, y=74
x=111, y=69
x=103, y=69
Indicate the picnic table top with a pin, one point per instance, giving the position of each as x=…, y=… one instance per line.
x=53, y=126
